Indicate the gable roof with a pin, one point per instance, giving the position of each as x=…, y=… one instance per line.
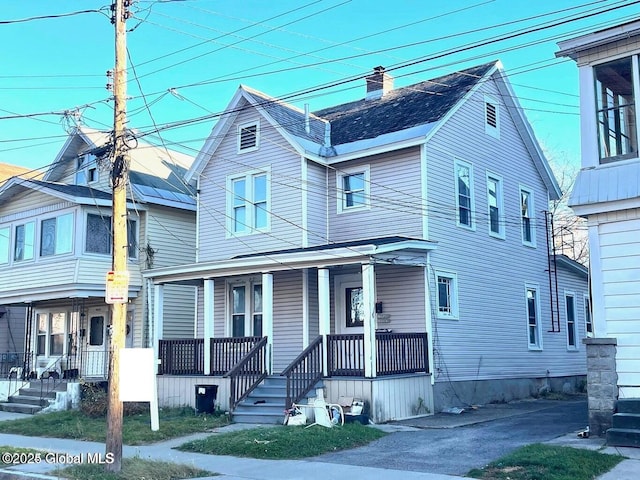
x=402, y=117
x=7, y=171
x=73, y=193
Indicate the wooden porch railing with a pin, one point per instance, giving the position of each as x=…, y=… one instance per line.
x=304, y=372
x=248, y=373
x=227, y=352
x=183, y=356
x=396, y=353
x=399, y=353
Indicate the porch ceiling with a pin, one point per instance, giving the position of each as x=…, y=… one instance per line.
x=389, y=250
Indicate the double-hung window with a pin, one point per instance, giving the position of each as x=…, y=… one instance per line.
x=56, y=235
x=24, y=241
x=353, y=187
x=533, y=318
x=464, y=194
x=572, y=330
x=527, y=217
x=87, y=169
x=246, y=310
x=98, y=238
x=51, y=333
x=616, y=111
x=447, y=295
x=495, y=206
x=249, y=203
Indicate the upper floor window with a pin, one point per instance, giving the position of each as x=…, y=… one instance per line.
x=495, y=206
x=87, y=169
x=533, y=318
x=464, y=193
x=447, y=295
x=527, y=218
x=56, y=235
x=4, y=245
x=248, y=137
x=99, y=239
x=616, y=112
x=491, y=117
x=353, y=188
x=249, y=206
x=24, y=242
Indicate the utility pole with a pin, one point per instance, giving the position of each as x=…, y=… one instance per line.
x=119, y=179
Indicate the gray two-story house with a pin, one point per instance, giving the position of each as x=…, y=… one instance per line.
x=395, y=248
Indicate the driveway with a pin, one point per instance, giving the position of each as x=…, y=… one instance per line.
x=454, y=444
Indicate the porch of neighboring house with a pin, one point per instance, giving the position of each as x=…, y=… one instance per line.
x=358, y=327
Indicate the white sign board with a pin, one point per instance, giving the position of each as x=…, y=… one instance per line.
x=138, y=379
x=117, y=287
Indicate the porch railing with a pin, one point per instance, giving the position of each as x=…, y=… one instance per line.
x=12, y=364
x=183, y=356
x=227, y=352
x=304, y=372
x=396, y=353
x=248, y=373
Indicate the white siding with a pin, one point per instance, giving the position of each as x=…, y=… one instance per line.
x=287, y=313
x=318, y=200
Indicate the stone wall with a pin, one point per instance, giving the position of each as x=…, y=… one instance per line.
x=602, y=382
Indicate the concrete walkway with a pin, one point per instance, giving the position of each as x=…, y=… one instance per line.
x=233, y=468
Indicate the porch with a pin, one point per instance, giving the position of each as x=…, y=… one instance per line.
x=399, y=387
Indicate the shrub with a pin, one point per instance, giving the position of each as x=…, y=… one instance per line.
x=94, y=400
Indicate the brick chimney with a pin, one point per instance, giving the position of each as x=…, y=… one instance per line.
x=379, y=83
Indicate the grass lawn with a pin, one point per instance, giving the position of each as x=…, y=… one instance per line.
x=17, y=455
x=548, y=462
x=282, y=442
x=136, y=429
x=134, y=469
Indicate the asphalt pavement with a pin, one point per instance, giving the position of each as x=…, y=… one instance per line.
x=438, y=447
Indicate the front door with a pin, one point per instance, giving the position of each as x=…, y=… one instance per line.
x=349, y=320
x=96, y=361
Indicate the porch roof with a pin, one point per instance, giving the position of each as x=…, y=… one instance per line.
x=386, y=250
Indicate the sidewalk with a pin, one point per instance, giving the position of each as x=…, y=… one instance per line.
x=233, y=468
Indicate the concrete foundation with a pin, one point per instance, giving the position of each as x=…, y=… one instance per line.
x=602, y=382
x=482, y=392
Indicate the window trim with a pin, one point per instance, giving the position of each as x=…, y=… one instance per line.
x=6, y=251
x=472, y=201
x=248, y=203
x=41, y=220
x=453, y=295
x=575, y=346
x=341, y=194
x=588, y=315
x=243, y=126
x=249, y=307
x=533, y=287
x=531, y=217
x=489, y=129
x=135, y=231
x=35, y=239
x=501, y=233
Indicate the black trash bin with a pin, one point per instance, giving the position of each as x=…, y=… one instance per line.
x=206, y=398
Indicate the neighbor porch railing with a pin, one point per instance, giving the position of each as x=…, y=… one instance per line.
x=248, y=373
x=304, y=372
x=396, y=353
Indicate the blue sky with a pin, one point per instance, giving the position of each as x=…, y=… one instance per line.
x=188, y=57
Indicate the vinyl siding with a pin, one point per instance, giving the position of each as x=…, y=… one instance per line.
x=29, y=204
x=489, y=340
x=395, y=198
x=609, y=51
x=318, y=200
x=12, y=326
x=273, y=153
x=620, y=256
x=401, y=291
x=287, y=313
x=314, y=305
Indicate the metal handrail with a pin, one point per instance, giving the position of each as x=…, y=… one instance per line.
x=304, y=372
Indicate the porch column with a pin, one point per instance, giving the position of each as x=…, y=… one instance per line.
x=208, y=313
x=324, y=318
x=267, y=316
x=369, y=300
x=158, y=318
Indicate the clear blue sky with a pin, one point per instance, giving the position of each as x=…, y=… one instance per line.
x=205, y=48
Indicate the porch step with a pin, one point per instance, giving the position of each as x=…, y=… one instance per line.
x=20, y=408
x=28, y=400
x=265, y=404
x=626, y=424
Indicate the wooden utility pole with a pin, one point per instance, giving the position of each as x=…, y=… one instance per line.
x=119, y=179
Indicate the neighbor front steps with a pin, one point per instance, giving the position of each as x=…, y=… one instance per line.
x=31, y=399
x=626, y=424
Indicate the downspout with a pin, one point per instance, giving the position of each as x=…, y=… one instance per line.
x=198, y=219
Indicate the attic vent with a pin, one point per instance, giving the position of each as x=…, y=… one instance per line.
x=248, y=137
x=492, y=117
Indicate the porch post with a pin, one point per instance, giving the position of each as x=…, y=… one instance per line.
x=267, y=316
x=158, y=320
x=208, y=313
x=369, y=300
x=324, y=319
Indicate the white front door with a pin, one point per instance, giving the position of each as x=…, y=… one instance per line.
x=349, y=319
x=96, y=358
